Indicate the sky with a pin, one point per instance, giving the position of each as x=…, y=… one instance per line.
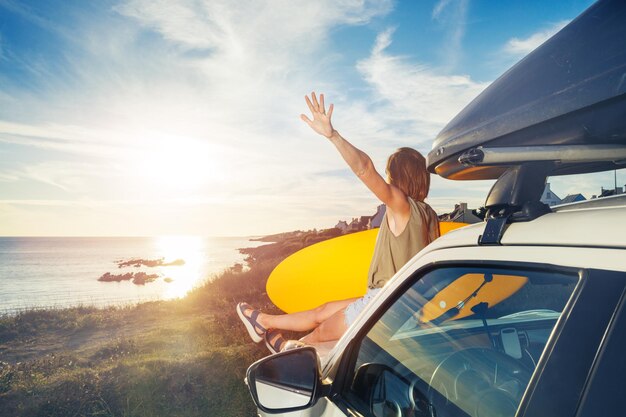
x=177, y=117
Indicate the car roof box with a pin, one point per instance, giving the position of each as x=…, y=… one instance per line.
x=563, y=107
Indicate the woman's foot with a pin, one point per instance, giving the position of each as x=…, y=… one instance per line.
x=274, y=341
x=249, y=317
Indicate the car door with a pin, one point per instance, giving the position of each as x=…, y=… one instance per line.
x=471, y=339
x=606, y=385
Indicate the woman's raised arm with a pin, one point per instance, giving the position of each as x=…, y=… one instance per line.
x=360, y=163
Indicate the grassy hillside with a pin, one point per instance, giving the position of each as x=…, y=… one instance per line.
x=184, y=357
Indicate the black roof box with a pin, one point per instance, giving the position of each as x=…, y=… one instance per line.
x=568, y=94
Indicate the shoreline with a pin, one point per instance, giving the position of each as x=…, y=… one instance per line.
x=42, y=273
x=275, y=245
x=184, y=356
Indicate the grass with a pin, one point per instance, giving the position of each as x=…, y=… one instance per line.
x=183, y=357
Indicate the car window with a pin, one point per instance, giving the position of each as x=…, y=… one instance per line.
x=461, y=341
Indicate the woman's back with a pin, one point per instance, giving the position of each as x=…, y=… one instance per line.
x=392, y=252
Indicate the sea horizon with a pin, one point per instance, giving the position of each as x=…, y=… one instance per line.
x=40, y=272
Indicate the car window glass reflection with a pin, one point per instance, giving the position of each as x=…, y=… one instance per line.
x=459, y=342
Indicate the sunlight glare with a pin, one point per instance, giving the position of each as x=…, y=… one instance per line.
x=192, y=250
x=179, y=163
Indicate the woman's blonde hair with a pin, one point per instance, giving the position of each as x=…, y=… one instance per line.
x=406, y=169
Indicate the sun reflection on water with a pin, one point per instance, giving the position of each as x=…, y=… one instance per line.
x=192, y=250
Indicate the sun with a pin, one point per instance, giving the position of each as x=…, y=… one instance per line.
x=178, y=163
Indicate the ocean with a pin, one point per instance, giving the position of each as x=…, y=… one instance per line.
x=57, y=272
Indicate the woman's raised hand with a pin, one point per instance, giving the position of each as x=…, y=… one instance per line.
x=321, y=120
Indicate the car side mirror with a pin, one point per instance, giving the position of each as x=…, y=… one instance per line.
x=286, y=381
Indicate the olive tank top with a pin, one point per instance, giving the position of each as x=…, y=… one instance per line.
x=392, y=252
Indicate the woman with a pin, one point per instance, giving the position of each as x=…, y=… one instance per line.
x=409, y=224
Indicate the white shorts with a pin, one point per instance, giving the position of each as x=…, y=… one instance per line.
x=354, y=309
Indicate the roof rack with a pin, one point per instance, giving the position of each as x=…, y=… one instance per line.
x=516, y=195
x=557, y=153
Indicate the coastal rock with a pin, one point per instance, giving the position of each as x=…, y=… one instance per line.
x=141, y=278
x=109, y=277
x=138, y=278
x=150, y=263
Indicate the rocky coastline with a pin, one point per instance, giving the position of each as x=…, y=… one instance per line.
x=140, y=278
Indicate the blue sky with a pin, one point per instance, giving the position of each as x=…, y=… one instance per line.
x=151, y=117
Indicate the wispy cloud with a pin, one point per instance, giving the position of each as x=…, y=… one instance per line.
x=8, y=176
x=439, y=8
x=452, y=15
x=155, y=94
x=30, y=14
x=519, y=47
x=182, y=115
x=414, y=93
x=130, y=91
x=411, y=103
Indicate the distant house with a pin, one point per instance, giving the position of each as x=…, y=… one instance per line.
x=357, y=223
x=548, y=197
x=611, y=191
x=354, y=225
x=376, y=220
x=460, y=214
x=573, y=198
x=342, y=225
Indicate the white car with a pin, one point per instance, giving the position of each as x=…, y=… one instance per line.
x=524, y=314
x=536, y=325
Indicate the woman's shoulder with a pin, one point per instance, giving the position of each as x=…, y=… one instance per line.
x=420, y=204
x=422, y=207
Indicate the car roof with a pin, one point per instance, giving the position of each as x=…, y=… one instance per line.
x=599, y=223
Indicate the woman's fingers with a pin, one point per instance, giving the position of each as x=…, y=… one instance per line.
x=315, y=103
x=308, y=103
x=330, y=110
x=306, y=119
x=317, y=107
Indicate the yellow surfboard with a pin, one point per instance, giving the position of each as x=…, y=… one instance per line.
x=334, y=269
x=497, y=290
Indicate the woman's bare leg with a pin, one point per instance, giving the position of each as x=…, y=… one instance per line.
x=331, y=329
x=304, y=320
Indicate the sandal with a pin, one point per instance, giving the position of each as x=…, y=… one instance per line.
x=274, y=340
x=255, y=330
